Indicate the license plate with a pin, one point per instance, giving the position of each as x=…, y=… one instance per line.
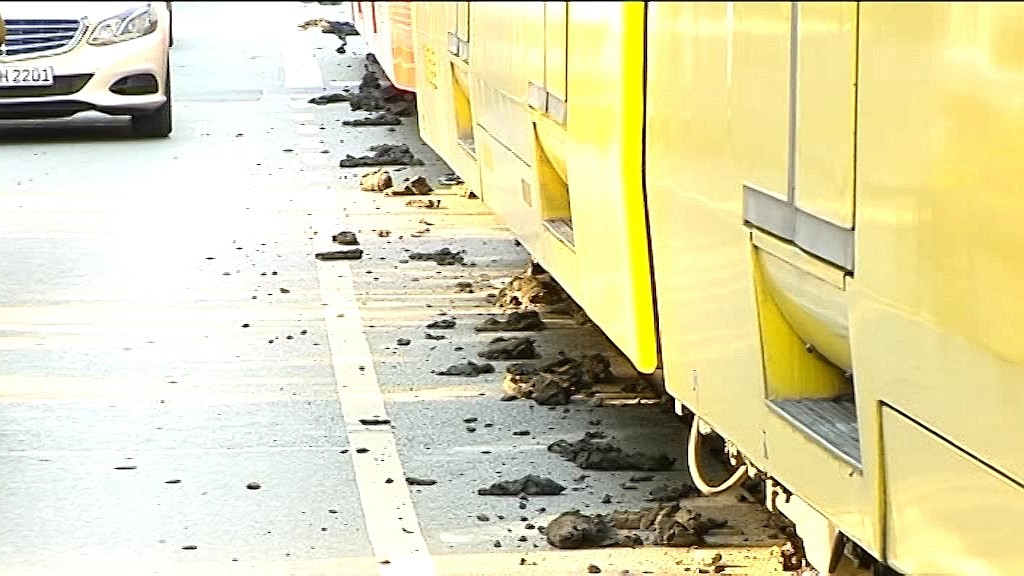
x=26, y=76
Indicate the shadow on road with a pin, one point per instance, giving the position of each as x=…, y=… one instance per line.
x=80, y=128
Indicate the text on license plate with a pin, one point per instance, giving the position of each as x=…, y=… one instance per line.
x=26, y=76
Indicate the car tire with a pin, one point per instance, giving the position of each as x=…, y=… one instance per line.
x=158, y=123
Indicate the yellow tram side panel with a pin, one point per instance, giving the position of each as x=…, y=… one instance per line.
x=700, y=248
x=364, y=17
x=506, y=52
x=442, y=87
x=935, y=305
x=386, y=27
x=557, y=100
x=717, y=121
x=403, y=74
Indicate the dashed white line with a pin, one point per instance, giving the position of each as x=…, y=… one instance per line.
x=391, y=523
x=301, y=70
x=388, y=511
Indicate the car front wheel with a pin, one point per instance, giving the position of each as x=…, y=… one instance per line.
x=155, y=124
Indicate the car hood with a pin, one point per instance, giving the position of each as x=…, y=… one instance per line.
x=94, y=11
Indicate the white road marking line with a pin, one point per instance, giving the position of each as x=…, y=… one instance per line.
x=390, y=518
x=311, y=134
x=300, y=66
x=318, y=160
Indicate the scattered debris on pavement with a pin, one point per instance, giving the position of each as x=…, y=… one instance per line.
x=372, y=96
x=441, y=324
x=515, y=348
x=591, y=455
x=666, y=524
x=345, y=238
x=527, y=320
x=468, y=368
x=342, y=30
x=535, y=289
x=450, y=179
x=404, y=109
x=554, y=383
x=367, y=97
x=378, y=119
x=548, y=390
x=376, y=180
x=414, y=481
x=417, y=186
x=442, y=257
x=531, y=289
x=383, y=155
x=671, y=492
x=529, y=485
x=375, y=421
x=351, y=254
x=331, y=98
x=418, y=203
x=574, y=530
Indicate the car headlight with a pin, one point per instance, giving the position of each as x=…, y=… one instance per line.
x=127, y=25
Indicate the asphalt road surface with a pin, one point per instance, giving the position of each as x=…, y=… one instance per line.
x=185, y=389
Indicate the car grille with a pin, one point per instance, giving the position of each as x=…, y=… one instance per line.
x=62, y=86
x=27, y=38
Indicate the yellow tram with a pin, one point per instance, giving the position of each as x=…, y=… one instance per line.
x=809, y=217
